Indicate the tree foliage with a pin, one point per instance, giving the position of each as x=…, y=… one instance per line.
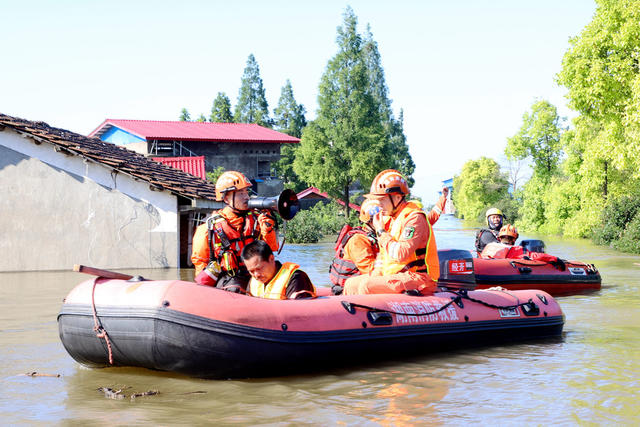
x=479, y=186
x=289, y=115
x=601, y=73
x=347, y=141
x=252, y=104
x=221, y=109
x=289, y=118
x=540, y=139
x=215, y=174
x=184, y=115
x=400, y=156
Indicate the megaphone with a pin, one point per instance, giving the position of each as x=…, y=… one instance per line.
x=286, y=204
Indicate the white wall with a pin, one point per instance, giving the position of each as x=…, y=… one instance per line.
x=59, y=210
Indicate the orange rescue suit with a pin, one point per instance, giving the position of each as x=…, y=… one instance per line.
x=408, y=253
x=238, y=229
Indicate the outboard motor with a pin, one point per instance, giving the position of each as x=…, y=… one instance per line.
x=456, y=269
x=532, y=245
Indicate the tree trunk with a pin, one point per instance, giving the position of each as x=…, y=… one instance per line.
x=606, y=180
x=346, y=202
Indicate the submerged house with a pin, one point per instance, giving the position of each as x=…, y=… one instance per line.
x=248, y=148
x=70, y=199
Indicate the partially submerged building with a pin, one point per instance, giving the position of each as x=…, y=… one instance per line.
x=248, y=148
x=70, y=199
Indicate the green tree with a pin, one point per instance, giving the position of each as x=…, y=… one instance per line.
x=539, y=138
x=201, y=118
x=601, y=72
x=347, y=141
x=215, y=174
x=289, y=115
x=252, y=104
x=479, y=186
x=184, y=115
x=400, y=156
x=221, y=109
x=289, y=118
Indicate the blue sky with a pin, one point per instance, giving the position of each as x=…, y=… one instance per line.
x=463, y=71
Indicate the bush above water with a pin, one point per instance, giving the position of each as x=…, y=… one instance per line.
x=621, y=225
x=310, y=225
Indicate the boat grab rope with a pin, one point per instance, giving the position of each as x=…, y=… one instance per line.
x=457, y=299
x=348, y=306
x=465, y=295
x=97, y=325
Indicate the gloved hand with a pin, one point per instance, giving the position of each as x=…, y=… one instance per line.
x=559, y=264
x=266, y=221
x=336, y=289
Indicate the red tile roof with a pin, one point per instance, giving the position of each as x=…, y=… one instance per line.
x=196, y=131
x=193, y=165
x=115, y=157
x=314, y=190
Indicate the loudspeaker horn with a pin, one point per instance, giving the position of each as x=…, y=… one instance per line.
x=286, y=204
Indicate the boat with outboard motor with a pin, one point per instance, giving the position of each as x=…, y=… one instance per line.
x=459, y=269
x=179, y=326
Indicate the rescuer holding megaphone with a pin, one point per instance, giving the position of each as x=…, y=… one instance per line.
x=218, y=242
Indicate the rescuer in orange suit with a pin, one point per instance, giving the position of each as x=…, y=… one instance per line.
x=408, y=252
x=218, y=242
x=356, y=248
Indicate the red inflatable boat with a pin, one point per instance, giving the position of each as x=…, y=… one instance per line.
x=459, y=269
x=206, y=332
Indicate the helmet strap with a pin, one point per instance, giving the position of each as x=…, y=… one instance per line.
x=392, y=202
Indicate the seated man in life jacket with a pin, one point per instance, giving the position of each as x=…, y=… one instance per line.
x=218, y=242
x=408, y=252
x=505, y=249
x=488, y=235
x=272, y=279
x=356, y=248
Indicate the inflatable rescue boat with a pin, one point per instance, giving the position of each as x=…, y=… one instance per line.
x=205, y=332
x=459, y=269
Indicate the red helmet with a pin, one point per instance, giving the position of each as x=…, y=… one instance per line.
x=389, y=181
x=230, y=181
x=368, y=209
x=508, y=230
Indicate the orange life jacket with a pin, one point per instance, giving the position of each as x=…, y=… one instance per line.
x=341, y=269
x=226, y=243
x=277, y=286
x=424, y=260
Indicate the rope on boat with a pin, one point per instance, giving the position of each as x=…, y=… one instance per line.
x=97, y=325
x=457, y=299
x=381, y=310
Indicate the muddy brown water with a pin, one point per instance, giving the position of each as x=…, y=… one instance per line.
x=589, y=375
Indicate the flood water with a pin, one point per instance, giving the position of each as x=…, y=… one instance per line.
x=591, y=375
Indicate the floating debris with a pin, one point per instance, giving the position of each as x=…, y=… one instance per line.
x=40, y=374
x=145, y=393
x=110, y=393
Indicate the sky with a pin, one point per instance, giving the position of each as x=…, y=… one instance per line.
x=464, y=72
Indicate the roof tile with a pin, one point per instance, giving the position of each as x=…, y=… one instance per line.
x=116, y=157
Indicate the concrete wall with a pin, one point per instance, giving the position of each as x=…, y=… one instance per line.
x=58, y=210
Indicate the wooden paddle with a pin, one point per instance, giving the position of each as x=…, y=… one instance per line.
x=101, y=273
